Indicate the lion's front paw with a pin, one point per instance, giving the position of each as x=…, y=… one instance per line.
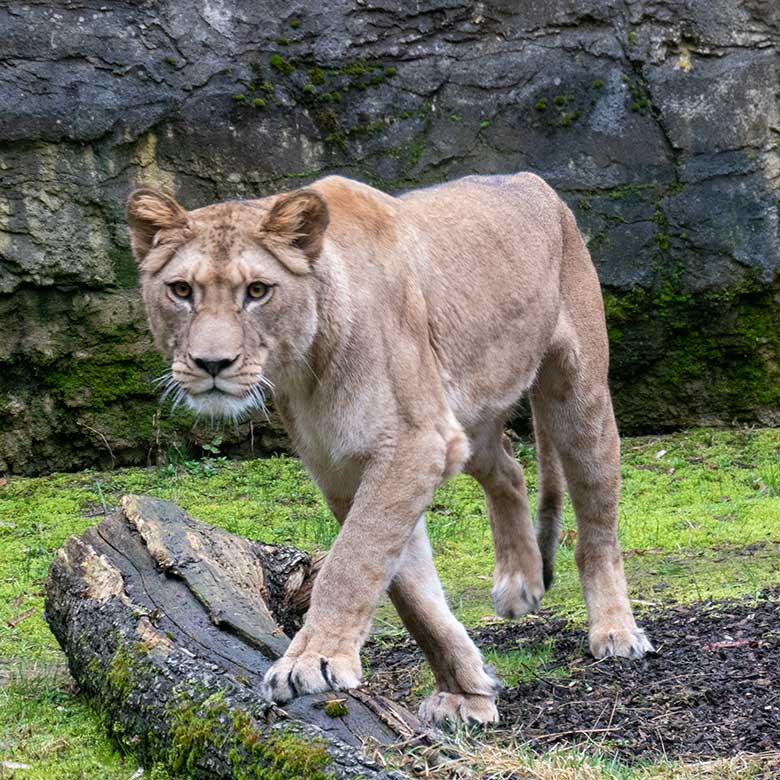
x=514, y=595
x=448, y=709
x=293, y=676
x=623, y=642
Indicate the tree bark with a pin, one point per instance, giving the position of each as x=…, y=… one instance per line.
x=169, y=626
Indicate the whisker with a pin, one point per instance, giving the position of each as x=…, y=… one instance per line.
x=258, y=398
x=179, y=395
x=307, y=364
x=264, y=380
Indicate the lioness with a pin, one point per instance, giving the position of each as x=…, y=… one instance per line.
x=397, y=335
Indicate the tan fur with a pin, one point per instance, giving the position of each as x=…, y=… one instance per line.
x=399, y=334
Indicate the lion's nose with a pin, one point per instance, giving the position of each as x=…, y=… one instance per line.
x=214, y=367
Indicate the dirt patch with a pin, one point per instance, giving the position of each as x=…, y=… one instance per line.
x=712, y=689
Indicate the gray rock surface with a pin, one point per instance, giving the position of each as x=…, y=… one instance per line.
x=658, y=121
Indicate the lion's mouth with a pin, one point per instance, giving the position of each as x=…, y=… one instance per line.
x=217, y=398
x=217, y=403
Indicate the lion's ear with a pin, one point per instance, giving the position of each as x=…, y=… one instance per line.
x=297, y=220
x=149, y=212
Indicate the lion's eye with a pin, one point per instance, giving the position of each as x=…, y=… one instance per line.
x=257, y=290
x=181, y=290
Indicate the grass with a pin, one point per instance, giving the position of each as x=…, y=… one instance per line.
x=699, y=518
x=490, y=762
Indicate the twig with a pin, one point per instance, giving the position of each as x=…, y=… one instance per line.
x=14, y=621
x=105, y=441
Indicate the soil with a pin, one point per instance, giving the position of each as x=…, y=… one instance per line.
x=711, y=689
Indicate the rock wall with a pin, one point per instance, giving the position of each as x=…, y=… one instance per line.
x=658, y=121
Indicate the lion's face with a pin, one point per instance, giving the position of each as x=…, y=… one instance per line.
x=229, y=292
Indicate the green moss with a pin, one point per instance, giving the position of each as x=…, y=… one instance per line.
x=279, y=63
x=327, y=119
x=118, y=676
x=708, y=351
x=295, y=23
x=567, y=117
x=370, y=127
x=336, y=708
x=124, y=266
x=620, y=309
x=259, y=103
x=566, y=110
x=169, y=61
x=317, y=76
x=740, y=371
x=390, y=72
x=358, y=68
x=102, y=378
x=598, y=84
x=279, y=756
x=239, y=98
x=283, y=41
x=340, y=137
x=194, y=726
x=639, y=94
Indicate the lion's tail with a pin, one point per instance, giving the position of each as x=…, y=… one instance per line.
x=550, y=498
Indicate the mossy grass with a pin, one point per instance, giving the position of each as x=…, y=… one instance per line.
x=691, y=503
x=528, y=661
x=55, y=732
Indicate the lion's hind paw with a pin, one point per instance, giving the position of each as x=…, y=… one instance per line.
x=449, y=709
x=623, y=643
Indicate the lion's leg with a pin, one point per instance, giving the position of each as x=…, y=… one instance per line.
x=364, y=559
x=465, y=690
x=518, y=584
x=572, y=402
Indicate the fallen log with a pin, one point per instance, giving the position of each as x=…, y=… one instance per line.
x=169, y=626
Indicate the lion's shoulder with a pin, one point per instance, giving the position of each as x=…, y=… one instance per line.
x=357, y=208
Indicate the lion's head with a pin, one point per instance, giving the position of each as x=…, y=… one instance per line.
x=229, y=290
